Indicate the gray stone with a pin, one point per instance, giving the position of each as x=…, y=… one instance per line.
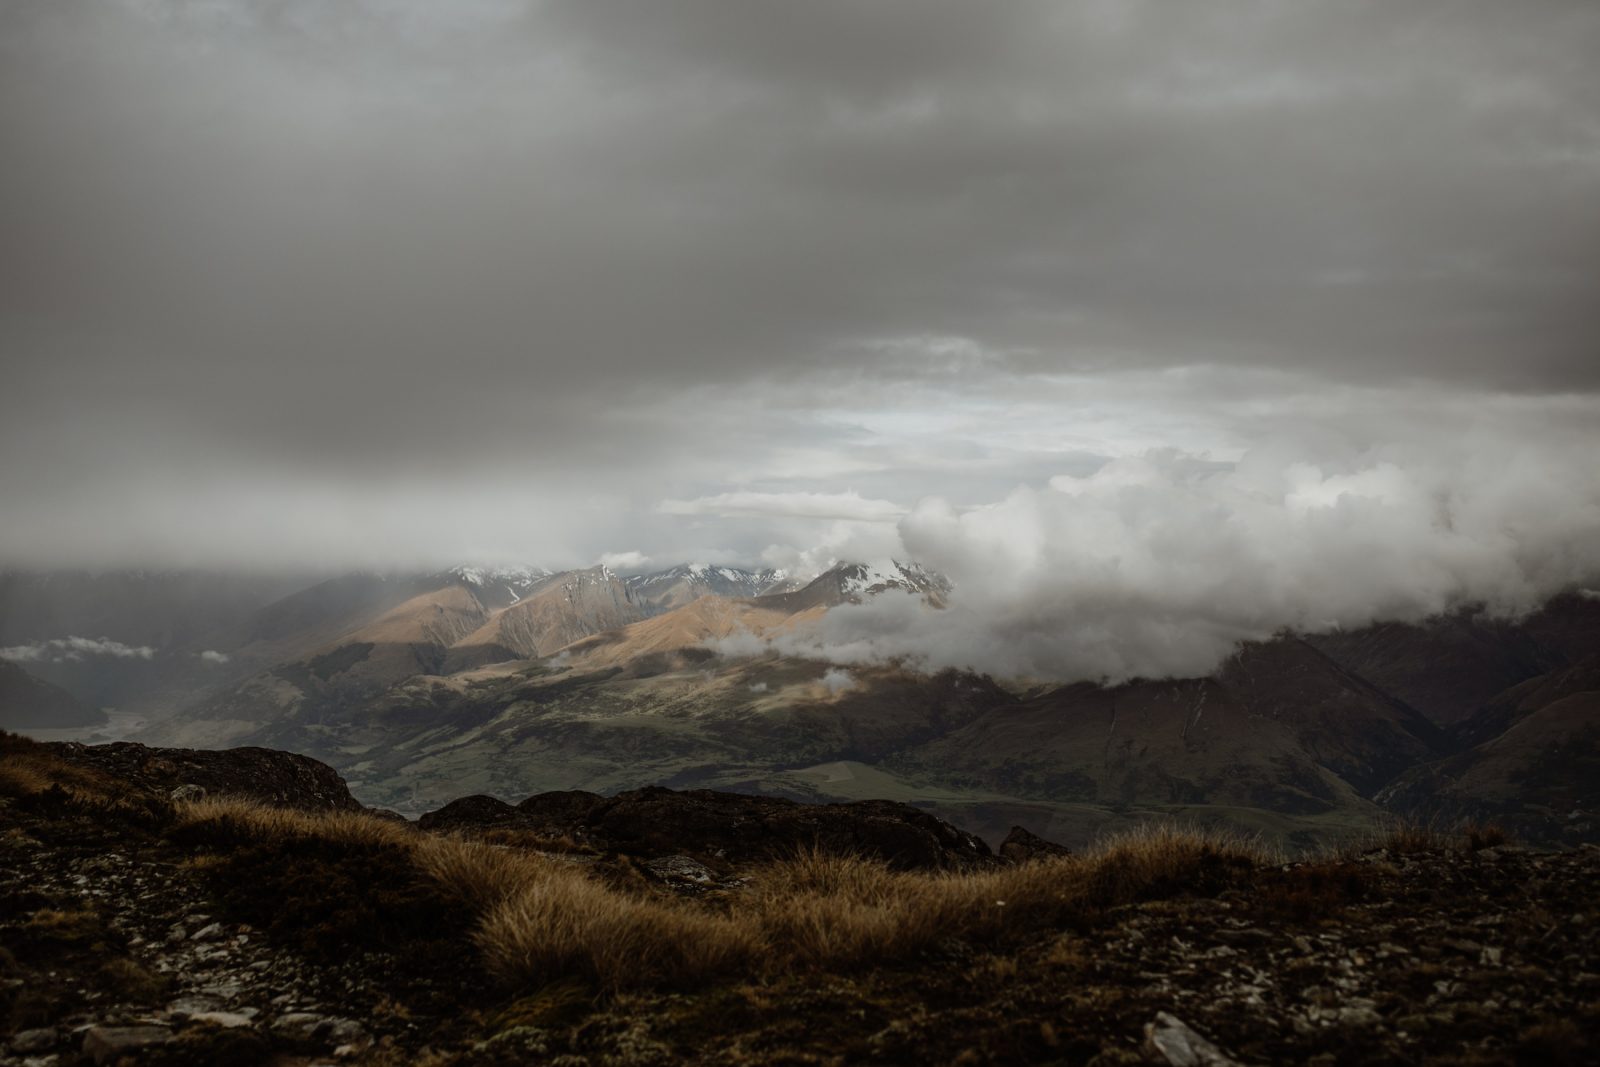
x=106, y=1044
x=228, y=1020
x=1170, y=1040
x=207, y=933
x=188, y=791
x=298, y=1026
x=35, y=1040
x=343, y=1033
x=1360, y=1013
x=184, y=1007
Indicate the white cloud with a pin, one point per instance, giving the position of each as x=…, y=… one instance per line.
x=58, y=649
x=1159, y=565
x=839, y=541
x=836, y=681
x=624, y=561
x=212, y=656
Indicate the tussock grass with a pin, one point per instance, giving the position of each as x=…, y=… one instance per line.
x=21, y=778
x=829, y=911
x=537, y=919
x=545, y=918
x=542, y=919
x=569, y=924
x=234, y=821
x=1412, y=836
x=28, y=768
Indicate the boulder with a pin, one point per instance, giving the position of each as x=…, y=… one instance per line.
x=108, y=1044
x=308, y=1030
x=1021, y=846
x=298, y=1028
x=1170, y=1040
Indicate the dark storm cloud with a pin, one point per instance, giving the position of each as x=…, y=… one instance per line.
x=358, y=252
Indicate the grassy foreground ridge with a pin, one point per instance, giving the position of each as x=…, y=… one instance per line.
x=460, y=950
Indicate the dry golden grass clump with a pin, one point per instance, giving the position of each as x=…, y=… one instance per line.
x=1411, y=836
x=837, y=911
x=230, y=820
x=27, y=768
x=543, y=918
x=566, y=923
x=537, y=918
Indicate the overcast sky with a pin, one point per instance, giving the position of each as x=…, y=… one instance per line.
x=294, y=283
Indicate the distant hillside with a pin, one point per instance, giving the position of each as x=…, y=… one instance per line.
x=1530, y=761
x=30, y=703
x=1446, y=668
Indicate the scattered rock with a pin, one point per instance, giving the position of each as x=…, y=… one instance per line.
x=212, y=932
x=681, y=869
x=187, y=791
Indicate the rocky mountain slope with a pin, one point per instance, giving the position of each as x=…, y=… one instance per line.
x=28, y=701
x=143, y=929
x=678, y=586
x=564, y=609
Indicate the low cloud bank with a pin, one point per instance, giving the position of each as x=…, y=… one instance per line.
x=1159, y=566
x=73, y=648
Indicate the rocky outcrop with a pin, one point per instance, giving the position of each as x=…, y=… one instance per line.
x=1021, y=846
x=282, y=779
x=560, y=808
x=727, y=827
x=472, y=813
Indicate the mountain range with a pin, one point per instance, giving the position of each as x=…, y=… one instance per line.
x=421, y=688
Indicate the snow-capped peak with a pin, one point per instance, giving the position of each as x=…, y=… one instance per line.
x=858, y=579
x=514, y=576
